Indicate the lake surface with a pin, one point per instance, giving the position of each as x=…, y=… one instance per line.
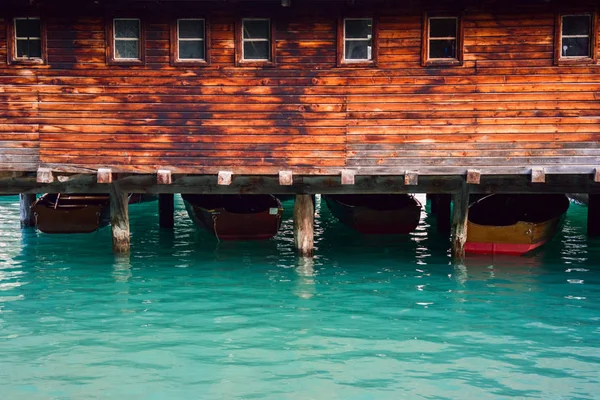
x=186, y=317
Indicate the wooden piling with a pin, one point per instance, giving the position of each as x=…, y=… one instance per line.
x=27, y=217
x=593, y=221
x=443, y=211
x=166, y=210
x=304, y=221
x=119, y=220
x=433, y=203
x=459, y=222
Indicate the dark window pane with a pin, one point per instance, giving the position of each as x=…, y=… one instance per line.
x=256, y=29
x=445, y=27
x=358, y=50
x=359, y=28
x=442, y=49
x=256, y=51
x=29, y=48
x=191, y=49
x=192, y=29
x=576, y=47
x=127, y=28
x=28, y=28
x=576, y=25
x=126, y=49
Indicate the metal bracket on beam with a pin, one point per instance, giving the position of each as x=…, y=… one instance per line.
x=473, y=176
x=597, y=175
x=105, y=175
x=538, y=175
x=163, y=177
x=411, y=178
x=224, y=178
x=44, y=175
x=286, y=178
x=348, y=177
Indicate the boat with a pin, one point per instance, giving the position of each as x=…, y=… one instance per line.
x=513, y=224
x=376, y=213
x=235, y=217
x=76, y=213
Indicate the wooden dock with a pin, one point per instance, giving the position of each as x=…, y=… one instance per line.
x=512, y=104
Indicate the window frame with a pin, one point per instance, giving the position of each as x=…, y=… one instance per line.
x=341, y=43
x=239, y=44
x=175, y=44
x=111, y=47
x=425, y=41
x=11, y=42
x=559, y=59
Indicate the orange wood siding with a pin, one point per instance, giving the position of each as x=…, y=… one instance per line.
x=507, y=105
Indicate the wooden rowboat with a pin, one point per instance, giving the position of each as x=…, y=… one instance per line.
x=513, y=224
x=376, y=213
x=76, y=213
x=235, y=217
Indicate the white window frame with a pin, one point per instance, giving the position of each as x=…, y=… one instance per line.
x=138, y=40
x=203, y=39
x=369, y=50
x=17, y=38
x=268, y=40
x=589, y=36
x=429, y=39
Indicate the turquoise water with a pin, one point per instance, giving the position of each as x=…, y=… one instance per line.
x=186, y=317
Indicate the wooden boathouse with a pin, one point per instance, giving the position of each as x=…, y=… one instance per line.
x=299, y=97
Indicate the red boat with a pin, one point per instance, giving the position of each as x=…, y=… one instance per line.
x=376, y=213
x=235, y=217
x=76, y=213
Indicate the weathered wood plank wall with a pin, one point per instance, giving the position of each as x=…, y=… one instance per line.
x=507, y=105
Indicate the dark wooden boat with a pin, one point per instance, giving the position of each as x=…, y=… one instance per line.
x=376, y=213
x=514, y=224
x=235, y=217
x=76, y=213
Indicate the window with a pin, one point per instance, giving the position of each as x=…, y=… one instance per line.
x=256, y=36
x=255, y=42
x=357, y=41
x=576, y=38
x=442, y=40
x=191, y=40
x=126, y=41
x=26, y=40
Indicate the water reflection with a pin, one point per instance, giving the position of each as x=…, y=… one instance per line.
x=305, y=283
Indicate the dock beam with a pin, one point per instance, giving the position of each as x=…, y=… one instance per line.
x=119, y=220
x=25, y=203
x=304, y=224
x=593, y=220
x=459, y=222
x=166, y=210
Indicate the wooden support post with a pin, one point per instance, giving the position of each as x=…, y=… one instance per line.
x=433, y=202
x=27, y=217
x=459, y=222
x=166, y=210
x=304, y=221
x=443, y=211
x=593, y=221
x=119, y=220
